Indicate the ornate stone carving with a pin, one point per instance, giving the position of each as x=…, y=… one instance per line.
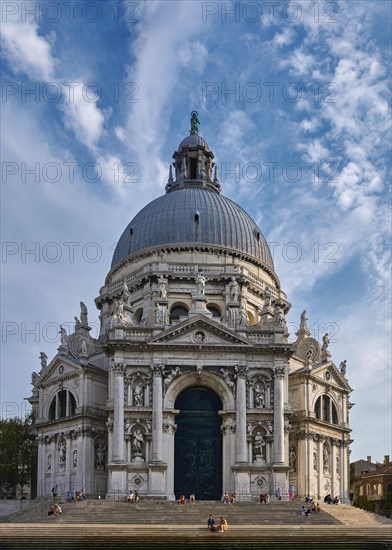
x=138, y=395
x=325, y=458
x=137, y=443
x=83, y=314
x=160, y=311
x=228, y=379
x=63, y=338
x=242, y=318
x=62, y=452
x=293, y=458
x=308, y=350
x=343, y=367
x=169, y=427
x=162, y=287
x=118, y=369
x=200, y=282
x=279, y=373
x=228, y=426
x=169, y=376
x=125, y=295
x=157, y=369
x=44, y=360
x=100, y=455
x=280, y=320
x=258, y=447
x=233, y=290
x=241, y=371
x=325, y=345
x=199, y=336
x=259, y=397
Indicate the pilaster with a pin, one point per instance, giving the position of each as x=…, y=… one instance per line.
x=118, y=413
x=279, y=376
x=241, y=448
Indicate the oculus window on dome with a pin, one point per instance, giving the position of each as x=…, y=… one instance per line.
x=193, y=212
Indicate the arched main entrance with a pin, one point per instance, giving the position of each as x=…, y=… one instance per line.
x=198, y=445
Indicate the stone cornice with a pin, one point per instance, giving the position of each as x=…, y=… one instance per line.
x=315, y=436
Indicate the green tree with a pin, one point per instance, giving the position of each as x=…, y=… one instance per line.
x=17, y=449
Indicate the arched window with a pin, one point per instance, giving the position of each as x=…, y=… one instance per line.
x=177, y=312
x=214, y=310
x=326, y=410
x=138, y=315
x=389, y=488
x=63, y=404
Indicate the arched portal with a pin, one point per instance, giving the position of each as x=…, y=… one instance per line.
x=198, y=445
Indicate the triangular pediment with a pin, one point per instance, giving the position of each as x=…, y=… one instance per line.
x=328, y=374
x=59, y=368
x=199, y=331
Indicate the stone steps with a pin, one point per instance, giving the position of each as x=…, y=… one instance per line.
x=170, y=513
x=350, y=515
x=159, y=525
x=111, y=536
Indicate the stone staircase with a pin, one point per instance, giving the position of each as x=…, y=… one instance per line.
x=171, y=513
x=99, y=524
x=350, y=515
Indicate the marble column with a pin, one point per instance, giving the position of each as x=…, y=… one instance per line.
x=320, y=466
x=157, y=403
x=241, y=448
x=118, y=413
x=42, y=466
x=345, y=470
x=335, y=487
x=279, y=455
x=68, y=462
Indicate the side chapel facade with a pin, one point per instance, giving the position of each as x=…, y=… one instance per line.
x=192, y=384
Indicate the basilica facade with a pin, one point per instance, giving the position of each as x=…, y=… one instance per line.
x=192, y=385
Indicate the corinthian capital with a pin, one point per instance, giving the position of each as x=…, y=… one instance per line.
x=241, y=371
x=118, y=369
x=157, y=369
x=279, y=373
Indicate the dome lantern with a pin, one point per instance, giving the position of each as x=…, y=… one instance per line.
x=193, y=162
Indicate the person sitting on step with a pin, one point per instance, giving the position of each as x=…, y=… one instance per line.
x=264, y=497
x=211, y=523
x=223, y=525
x=305, y=512
x=182, y=499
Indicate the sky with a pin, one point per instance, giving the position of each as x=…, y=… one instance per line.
x=293, y=99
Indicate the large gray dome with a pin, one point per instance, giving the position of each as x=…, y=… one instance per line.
x=193, y=216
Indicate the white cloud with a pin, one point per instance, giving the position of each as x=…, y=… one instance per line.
x=26, y=51
x=193, y=55
x=120, y=133
x=83, y=117
x=310, y=124
x=299, y=62
x=160, y=56
x=283, y=38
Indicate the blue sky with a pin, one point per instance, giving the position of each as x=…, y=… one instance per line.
x=294, y=101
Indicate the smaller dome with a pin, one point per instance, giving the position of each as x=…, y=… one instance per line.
x=193, y=140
